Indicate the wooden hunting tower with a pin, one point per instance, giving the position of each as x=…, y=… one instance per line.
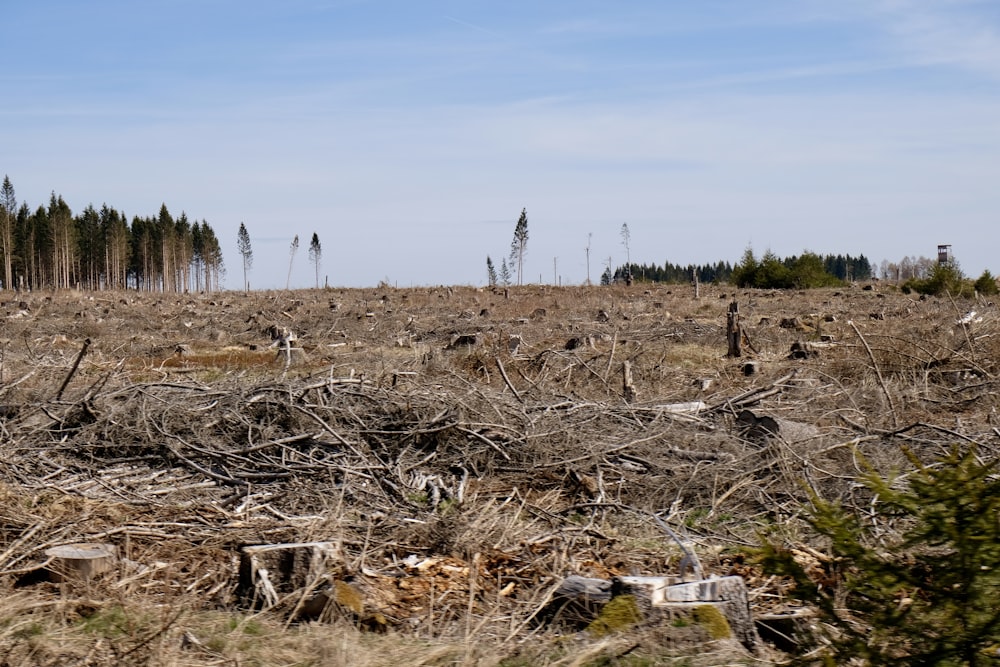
x=944, y=254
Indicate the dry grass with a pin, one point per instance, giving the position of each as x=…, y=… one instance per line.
x=459, y=483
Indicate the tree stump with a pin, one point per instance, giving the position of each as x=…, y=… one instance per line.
x=734, y=334
x=661, y=600
x=81, y=561
x=577, y=602
x=718, y=608
x=760, y=428
x=270, y=573
x=628, y=387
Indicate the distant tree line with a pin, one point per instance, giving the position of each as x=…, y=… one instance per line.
x=798, y=271
x=669, y=273
x=101, y=249
x=768, y=271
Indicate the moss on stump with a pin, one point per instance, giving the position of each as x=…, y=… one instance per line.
x=620, y=613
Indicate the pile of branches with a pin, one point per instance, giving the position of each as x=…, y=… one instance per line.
x=532, y=480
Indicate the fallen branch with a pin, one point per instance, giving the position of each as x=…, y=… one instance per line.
x=72, y=371
x=510, y=385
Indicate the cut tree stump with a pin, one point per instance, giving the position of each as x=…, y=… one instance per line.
x=734, y=332
x=273, y=573
x=81, y=561
x=577, y=601
x=719, y=604
x=760, y=428
x=628, y=386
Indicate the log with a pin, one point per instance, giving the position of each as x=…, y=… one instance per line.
x=575, y=587
x=685, y=408
x=81, y=561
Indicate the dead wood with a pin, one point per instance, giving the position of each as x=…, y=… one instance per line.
x=457, y=500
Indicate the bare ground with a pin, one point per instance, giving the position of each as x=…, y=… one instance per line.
x=462, y=450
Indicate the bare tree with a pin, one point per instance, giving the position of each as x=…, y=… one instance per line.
x=626, y=241
x=591, y=234
x=291, y=258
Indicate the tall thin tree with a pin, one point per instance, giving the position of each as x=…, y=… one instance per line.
x=520, y=244
x=212, y=256
x=246, y=251
x=627, y=242
x=589, y=236
x=316, y=255
x=64, y=244
x=8, y=212
x=491, y=272
x=291, y=258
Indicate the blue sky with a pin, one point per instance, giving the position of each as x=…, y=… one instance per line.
x=409, y=134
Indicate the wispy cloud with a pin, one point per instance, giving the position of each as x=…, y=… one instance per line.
x=473, y=26
x=959, y=33
x=382, y=130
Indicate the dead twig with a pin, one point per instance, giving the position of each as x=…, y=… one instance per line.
x=878, y=373
x=506, y=379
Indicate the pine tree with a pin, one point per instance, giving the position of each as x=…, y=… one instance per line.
x=142, y=253
x=520, y=245
x=925, y=595
x=607, y=277
x=164, y=230
x=63, y=242
x=8, y=211
x=90, y=247
x=504, y=273
x=115, y=236
x=212, y=258
x=183, y=252
x=491, y=272
x=246, y=251
x=315, y=255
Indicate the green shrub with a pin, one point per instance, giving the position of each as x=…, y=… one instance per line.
x=926, y=595
x=771, y=272
x=944, y=279
x=807, y=271
x=745, y=272
x=986, y=284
